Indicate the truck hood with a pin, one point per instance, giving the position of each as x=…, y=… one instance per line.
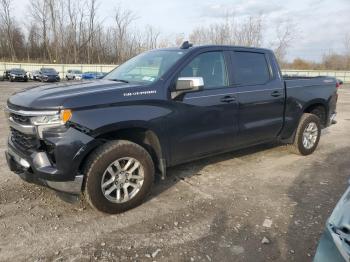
x=75, y=95
x=50, y=74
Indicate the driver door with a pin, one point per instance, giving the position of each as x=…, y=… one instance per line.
x=205, y=122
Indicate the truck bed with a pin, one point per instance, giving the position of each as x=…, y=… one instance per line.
x=303, y=81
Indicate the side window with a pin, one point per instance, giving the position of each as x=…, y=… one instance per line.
x=250, y=68
x=211, y=67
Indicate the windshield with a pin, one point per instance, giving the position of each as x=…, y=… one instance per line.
x=48, y=70
x=146, y=67
x=76, y=72
x=17, y=71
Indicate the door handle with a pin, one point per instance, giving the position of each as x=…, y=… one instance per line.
x=276, y=93
x=228, y=99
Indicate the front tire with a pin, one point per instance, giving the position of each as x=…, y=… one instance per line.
x=118, y=176
x=307, y=135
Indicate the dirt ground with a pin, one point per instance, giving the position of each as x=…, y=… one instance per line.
x=216, y=209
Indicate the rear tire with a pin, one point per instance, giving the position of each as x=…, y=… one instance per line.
x=320, y=112
x=99, y=164
x=307, y=135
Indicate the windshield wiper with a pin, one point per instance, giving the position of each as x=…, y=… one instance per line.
x=120, y=80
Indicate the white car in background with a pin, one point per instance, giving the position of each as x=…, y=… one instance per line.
x=74, y=74
x=34, y=75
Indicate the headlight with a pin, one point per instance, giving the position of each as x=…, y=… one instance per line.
x=59, y=119
x=47, y=121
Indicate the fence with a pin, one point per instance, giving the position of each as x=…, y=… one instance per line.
x=60, y=68
x=63, y=68
x=342, y=75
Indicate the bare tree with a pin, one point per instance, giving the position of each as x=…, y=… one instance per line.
x=39, y=10
x=52, y=12
x=151, y=37
x=347, y=49
x=347, y=43
x=8, y=25
x=123, y=19
x=285, y=34
x=230, y=32
x=250, y=32
x=92, y=7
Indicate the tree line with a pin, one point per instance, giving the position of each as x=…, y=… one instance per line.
x=70, y=31
x=328, y=62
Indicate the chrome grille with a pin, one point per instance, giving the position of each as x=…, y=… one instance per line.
x=20, y=119
x=23, y=140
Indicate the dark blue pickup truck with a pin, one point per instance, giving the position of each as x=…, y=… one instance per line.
x=108, y=138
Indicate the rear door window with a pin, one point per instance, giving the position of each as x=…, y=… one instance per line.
x=250, y=68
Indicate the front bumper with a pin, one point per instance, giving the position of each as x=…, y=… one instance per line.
x=35, y=170
x=57, y=168
x=19, y=78
x=51, y=79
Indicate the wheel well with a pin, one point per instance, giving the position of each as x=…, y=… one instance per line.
x=143, y=137
x=319, y=110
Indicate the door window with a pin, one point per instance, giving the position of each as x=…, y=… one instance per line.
x=250, y=68
x=211, y=67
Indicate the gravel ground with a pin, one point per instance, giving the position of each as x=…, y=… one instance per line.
x=257, y=204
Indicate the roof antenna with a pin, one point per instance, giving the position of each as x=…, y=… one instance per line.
x=186, y=45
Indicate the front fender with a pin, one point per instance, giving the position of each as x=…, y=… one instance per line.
x=101, y=121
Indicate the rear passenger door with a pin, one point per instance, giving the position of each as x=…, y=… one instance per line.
x=260, y=96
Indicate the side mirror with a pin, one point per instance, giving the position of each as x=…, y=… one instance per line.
x=186, y=85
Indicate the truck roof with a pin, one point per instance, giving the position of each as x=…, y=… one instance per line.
x=198, y=47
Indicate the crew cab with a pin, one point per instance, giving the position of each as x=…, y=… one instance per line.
x=107, y=139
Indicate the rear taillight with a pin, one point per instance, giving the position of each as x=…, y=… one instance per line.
x=338, y=84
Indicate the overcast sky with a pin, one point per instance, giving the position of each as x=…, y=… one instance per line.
x=321, y=24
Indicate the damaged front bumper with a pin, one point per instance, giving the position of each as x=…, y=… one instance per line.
x=58, y=168
x=35, y=168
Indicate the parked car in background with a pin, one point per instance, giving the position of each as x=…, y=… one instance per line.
x=34, y=75
x=92, y=75
x=108, y=138
x=6, y=74
x=18, y=74
x=74, y=75
x=48, y=75
x=334, y=244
